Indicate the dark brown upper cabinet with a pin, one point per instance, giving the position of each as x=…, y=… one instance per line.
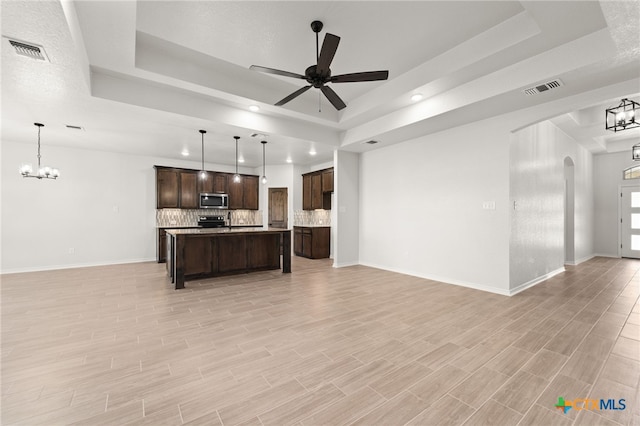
x=306, y=192
x=244, y=194
x=214, y=183
x=327, y=180
x=316, y=189
x=167, y=189
x=251, y=190
x=181, y=188
x=189, y=195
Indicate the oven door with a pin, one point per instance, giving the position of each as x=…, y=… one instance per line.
x=214, y=201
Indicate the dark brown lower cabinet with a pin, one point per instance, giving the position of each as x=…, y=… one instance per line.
x=220, y=252
x=312, y=241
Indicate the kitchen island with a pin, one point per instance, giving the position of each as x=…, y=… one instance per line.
x=209, y=252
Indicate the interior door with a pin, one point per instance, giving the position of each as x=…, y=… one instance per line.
x=630, y=222
x=278, y=208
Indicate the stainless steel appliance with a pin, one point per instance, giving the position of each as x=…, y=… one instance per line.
x=211, y=221
x=214, y=201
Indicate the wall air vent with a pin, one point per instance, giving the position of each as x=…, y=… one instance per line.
x=29, y=50
x=553, y=84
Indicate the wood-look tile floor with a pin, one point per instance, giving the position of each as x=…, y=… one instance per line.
x=321, y=346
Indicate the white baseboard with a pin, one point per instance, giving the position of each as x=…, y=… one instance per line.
x=535, y=281
x=444, y=280
x=613, y=256
x=77, y=265
x=579, y=261
x=344, y=264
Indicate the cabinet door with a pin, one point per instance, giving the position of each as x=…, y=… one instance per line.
x=321, y=242
x=250, y=189
x=236, y=195
x=307, y=244
x=189, y=190
x=297, y=241
x=167, y=189
x=221, y=183
x=306, y=192
x=316, y=191
x=206, y=184
x=327, y=181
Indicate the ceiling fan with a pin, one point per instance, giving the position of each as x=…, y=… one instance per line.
x=319, y=75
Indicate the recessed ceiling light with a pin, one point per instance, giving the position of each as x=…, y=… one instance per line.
x=416, y=97
x=312, y=152
x=185, y=153
x=241, y=159
x=288, y=160
x=254, y=108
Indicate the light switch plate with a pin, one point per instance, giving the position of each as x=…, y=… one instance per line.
x=489, y=205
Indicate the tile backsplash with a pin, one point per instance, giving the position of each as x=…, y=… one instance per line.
x=312, y=217
x=183, y=217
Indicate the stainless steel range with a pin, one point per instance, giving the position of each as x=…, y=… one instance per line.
x=211, y=221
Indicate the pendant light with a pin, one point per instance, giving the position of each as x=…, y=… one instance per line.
x=236, y=176
x=623, y=117
x=264, y=176
x=203, y=173
x=45, y=172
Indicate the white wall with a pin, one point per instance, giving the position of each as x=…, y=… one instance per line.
x=421, y=207
x=346, y=190
x=537, y=182
x=277, y=177
x=102, y=207
x=607, y=170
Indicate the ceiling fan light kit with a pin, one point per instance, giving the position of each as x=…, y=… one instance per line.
x=319, y=75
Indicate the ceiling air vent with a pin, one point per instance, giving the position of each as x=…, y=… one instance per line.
x=553, y=84
x=29, y=50
x=69, y=126
x=372, y=142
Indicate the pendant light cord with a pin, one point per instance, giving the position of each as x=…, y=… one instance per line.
x=236, y=138
x=39, y=127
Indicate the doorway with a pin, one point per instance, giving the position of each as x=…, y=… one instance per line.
x=569, y=212
x=630, y=222
x=278, y=208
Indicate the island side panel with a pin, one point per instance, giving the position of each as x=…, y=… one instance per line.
x=179, y=243
x=286, y=252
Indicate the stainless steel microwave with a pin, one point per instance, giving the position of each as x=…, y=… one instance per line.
x=214, y=201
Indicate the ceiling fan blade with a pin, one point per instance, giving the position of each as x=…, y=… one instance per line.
x=360, y=76
x=293, y=95
x=276, y=72
x=333, y=97
x=328, y=51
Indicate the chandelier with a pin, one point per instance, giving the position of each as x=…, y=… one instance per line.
x=623, y=116
x=45, y=172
